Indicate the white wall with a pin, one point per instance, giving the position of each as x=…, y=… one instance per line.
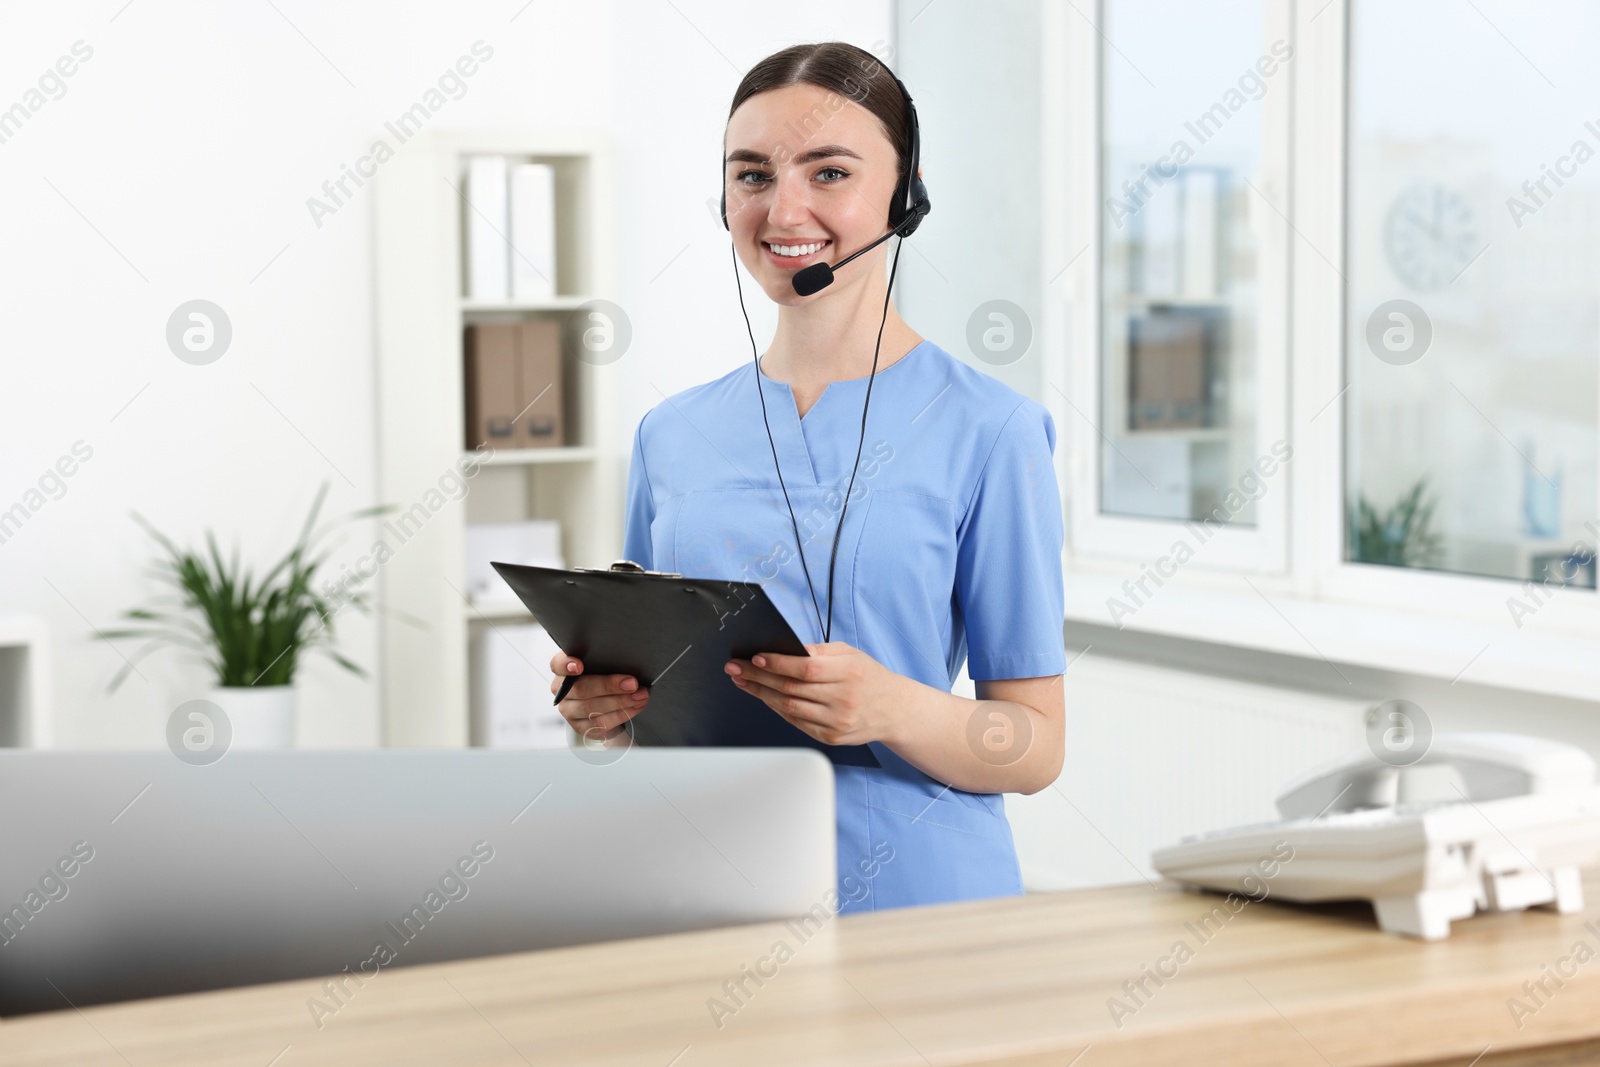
x=975, y=72
x=177, y=165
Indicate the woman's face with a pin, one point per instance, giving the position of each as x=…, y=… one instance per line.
x=807, y=171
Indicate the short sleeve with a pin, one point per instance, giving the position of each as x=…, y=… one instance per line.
x=641, y=506
x=1008, y=562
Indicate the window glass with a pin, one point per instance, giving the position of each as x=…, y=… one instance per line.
x=1180, y=133
x=1473, y=309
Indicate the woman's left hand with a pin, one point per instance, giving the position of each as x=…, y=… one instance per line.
x=838, y=694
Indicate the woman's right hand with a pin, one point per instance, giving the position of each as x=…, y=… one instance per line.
x=596, y=707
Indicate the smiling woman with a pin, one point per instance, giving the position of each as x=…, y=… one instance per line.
x=951, y=553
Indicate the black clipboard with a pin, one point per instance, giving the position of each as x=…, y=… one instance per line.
x=673, y=634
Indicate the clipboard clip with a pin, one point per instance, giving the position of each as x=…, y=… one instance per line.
x=627, y=566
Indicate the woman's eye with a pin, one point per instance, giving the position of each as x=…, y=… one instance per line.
x=742, y=175
x=835, y=171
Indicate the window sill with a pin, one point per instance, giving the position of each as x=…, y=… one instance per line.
x=1266, y=619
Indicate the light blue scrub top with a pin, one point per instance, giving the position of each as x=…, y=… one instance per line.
x=951, y=550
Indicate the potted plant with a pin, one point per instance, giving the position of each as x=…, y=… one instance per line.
x=251, y=633
x=1401, y=537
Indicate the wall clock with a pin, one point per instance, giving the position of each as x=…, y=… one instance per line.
x=1429, y=235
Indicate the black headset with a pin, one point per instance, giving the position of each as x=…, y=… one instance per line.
x=906, y=210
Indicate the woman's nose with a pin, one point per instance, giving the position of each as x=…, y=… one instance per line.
x=791, y=200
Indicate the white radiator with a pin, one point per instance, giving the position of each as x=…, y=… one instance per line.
x=1155, y=753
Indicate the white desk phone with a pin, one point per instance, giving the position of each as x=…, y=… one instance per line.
x=1512, y=836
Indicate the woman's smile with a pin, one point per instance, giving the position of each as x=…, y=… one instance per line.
x=792, y=255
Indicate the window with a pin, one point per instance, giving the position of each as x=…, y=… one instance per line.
x=1473, y=310
x=1184, y=408
x=1406, y=296
x=1181, y=158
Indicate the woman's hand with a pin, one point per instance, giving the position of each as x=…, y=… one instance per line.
x=596, y=707
x=838, y=694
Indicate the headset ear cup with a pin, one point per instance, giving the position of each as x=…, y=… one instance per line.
x=911, y=201
x=911, y=217
x=724, y=209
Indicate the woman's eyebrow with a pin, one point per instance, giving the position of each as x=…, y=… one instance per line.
x=747, y=155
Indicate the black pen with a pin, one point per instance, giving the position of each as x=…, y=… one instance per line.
x=566, y=687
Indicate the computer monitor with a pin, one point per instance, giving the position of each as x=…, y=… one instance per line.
x=135, y=874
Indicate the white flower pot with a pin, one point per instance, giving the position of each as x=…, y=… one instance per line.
x=259, y=716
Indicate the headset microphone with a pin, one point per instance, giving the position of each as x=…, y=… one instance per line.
x=819, y=276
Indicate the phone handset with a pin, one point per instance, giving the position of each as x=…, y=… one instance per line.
x=1492, y=766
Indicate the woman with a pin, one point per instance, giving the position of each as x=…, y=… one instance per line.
x=949, y=532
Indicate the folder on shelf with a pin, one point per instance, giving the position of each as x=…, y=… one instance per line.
x=1154, y=237
x=539, y=393
x=673, y=634
x=1201, y=265
x=533, y=231
x=1171, y=367
x=513, y=385
x=491, y=386
x=485, y=218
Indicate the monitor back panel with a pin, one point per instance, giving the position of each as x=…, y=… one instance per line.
x=127, y=875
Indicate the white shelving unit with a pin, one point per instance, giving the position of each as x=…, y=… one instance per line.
x=421, y=209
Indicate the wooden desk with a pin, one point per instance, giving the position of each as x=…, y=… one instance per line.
x=1022, y=981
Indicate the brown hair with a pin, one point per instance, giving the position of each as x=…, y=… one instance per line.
x=852, y=72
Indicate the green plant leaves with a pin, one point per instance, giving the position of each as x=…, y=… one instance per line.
x=248, y=630
x=1401, y=537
